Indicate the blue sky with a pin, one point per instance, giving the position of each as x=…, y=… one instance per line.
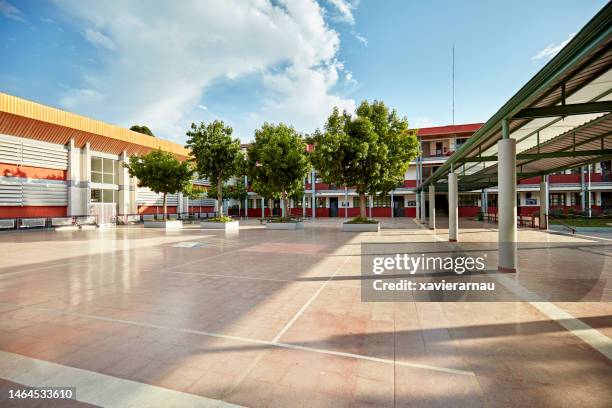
x=168, y=63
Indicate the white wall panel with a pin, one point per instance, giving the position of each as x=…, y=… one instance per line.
x=26, y=152
x=25, y=192
x=144, y=196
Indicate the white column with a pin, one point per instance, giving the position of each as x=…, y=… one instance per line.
x=582, y=190
x=589, y=189
x=314, y=196
x=246, y=200
x=418, y=205
x=506, y=202
x=263, y=207
x=392, y=205
x=75, y=192
x=124, y=185
x=544, y=202
x=432, y=207
x=85, y=181
x=371, y=204
x=423, y=212
x=453, y=209
x=345, y=202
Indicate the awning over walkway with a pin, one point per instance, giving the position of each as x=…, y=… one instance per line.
x=560, y=119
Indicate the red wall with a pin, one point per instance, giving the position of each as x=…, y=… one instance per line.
x=196, y=209
x=31, y=172
x=33, y=211
x=155, y=210
x=410, y=212
x=381, y=212
x=409, y=183
x=469, y=211
x=322, y=212
x=565, y=178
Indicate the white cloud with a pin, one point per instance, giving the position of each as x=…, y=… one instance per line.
x=361, y=39
x=344, y=10
x=164, y=57
x=98, y=39
x=10, y=11
x=202, y=107
x=552, y=49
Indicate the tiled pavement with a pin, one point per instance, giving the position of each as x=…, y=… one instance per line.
x=275, y=318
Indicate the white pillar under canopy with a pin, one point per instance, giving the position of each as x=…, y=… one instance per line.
x=453, y=210
x=544, y=202
x=506, y=202
x=432, y=207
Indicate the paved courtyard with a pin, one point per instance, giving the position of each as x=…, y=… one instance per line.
x=141, y=317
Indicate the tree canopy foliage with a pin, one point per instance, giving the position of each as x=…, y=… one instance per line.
x=217, y=155
x=277, y=163
x=162, y=173
x=370, y=150
x=142, y=129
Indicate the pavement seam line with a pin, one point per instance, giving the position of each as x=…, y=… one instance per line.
x=248, y=340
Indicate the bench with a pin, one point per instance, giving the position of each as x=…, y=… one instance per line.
x=7, y=224
x=33, y=222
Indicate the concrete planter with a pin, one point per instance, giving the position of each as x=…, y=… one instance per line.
x=164, y=224
x=225, y=226
x=361, y=227
x=285, y=225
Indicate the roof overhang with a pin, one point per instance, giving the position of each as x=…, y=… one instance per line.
x=560, y=119
x=23, y=118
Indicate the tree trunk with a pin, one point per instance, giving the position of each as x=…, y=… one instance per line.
x=362, y=205
x=165, y=207
x=285, y=204
x=220, y=198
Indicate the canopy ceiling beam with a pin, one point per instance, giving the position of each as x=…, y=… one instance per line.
x=542, y=155
x=564, y=110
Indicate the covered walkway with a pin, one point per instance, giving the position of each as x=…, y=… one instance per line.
x=558, y=120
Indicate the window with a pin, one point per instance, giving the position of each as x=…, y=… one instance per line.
x=459, y=143
x=321, y=202
x=104, y=196
x=468, y=200
x=491, y=200
x=381, y=201
x=575, y=199
x=557, y=199
x=103, y=170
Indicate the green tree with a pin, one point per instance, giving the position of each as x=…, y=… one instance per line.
x=162, y=173
x=276, y=162
x=216, y=154
x=142, y=129
x=371, y=150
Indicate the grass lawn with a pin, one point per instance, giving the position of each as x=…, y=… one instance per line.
x=583, y=222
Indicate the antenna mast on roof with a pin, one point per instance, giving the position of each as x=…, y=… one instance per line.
x=453, y=84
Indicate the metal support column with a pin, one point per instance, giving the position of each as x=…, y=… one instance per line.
x=432, y=206
x=423, y=212
x=506, y=180
x=314, y=198
x=453, y=210
x=544, y=202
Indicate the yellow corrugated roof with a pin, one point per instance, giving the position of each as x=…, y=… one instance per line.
x=102, y=134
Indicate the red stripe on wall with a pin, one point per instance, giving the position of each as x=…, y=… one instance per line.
x=13, y=170
x=155, y=209
x=33, y=211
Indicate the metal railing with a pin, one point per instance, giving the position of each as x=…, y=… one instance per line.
x=31, y=223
